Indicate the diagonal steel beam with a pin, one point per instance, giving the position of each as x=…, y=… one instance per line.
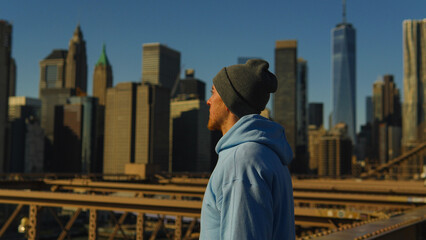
x=118, y=225
x=65, y=231
x=10, y=219
x=56, y=218
x=157, y=228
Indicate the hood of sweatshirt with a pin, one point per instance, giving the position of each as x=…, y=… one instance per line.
x=255, y=128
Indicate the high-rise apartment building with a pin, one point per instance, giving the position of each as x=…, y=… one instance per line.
x=315, y=111
x=414, y=109
x=5, y=59
x=102, y=77
x=285, y=98
x=160, y=65
x=344, y=76
x=76, y=66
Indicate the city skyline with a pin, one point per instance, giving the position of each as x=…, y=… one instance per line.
x=210, y=37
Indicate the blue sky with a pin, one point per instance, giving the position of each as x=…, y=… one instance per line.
x=211, y=35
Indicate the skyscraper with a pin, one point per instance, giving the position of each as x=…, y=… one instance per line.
x=137, y=118
x=120, y=125
x=335, y=152
x=76, y=67
x=52, y=70
x=5, y=59
x=189, y=116
x=27, y=138
x=285, y=102
x=369, y=110
x=344, y=75
x=414, y=116
x=12, y=78
x=315, y=114
x=386, y=132
x=386, y=101
x=102, y=77
x=302, y=103
x=160, y=65
x=152, y=125
x=190, y=87
x=290, y=101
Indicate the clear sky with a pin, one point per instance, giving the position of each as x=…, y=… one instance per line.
x=212, y=34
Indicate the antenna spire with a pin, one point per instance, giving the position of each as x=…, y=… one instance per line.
x=344, y=11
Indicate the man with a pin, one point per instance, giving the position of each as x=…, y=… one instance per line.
x=249, y=194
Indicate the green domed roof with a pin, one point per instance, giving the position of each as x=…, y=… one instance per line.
x=103, y=59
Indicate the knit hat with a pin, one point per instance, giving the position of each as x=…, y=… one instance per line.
x=245, y=88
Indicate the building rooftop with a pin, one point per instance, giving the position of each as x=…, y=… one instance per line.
x=103, y=59
x=57, y=54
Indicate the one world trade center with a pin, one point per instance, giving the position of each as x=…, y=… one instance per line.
x=344, y=76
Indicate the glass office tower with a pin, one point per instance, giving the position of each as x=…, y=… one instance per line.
x=344, y=77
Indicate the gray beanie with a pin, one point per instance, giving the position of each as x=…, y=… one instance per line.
x=245, y=88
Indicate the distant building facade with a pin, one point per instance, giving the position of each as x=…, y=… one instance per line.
x=285, y=98
x=120, y=125
x=152, y=126
x=369, y=110
x=191, y=87
x=316, y=111
x=12, y=78
x=136, y=126
x=160, y=65
x=302, y=103
x=88, y=161
x=75, y=136
x=27, y=137
x=335, y=153
x=290, y=101
x=5, y=65
x=188, y=126
x=414, y=109
x=314, y=136
x=50, y=99
x=387, y=120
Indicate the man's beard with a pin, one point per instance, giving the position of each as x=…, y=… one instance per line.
x=213, y=125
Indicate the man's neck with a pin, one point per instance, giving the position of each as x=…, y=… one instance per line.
x=229, y=122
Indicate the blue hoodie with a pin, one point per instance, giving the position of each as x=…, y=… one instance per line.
x=249, y=194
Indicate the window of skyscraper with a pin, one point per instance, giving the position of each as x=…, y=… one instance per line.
x=51, y=75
